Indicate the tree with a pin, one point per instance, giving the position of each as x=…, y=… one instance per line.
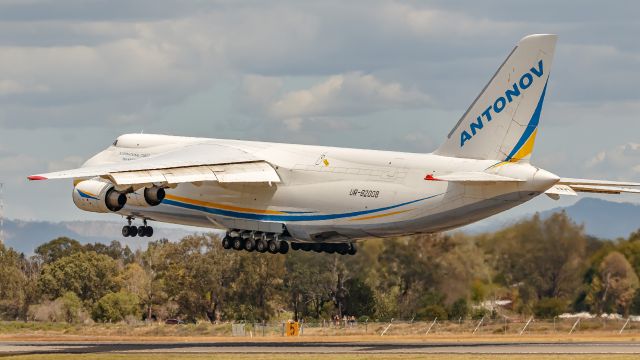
x=114, y=307
x=13, y=285
x=359, y=300
x=58, y=248
x=546, y=256
x=87, y=274
x=71, y=307
x=614, y=286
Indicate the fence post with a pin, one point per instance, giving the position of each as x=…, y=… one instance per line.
x=574, y=326
x=525, y=325
x=624, y=326
x=433, y=323
x=478, y=326
x=387, y=328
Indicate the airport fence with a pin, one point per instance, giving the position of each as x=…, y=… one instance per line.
x=482, y=326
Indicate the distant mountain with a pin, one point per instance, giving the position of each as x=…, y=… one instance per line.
x=25, y=236
x=601, y=218
x=604, y=219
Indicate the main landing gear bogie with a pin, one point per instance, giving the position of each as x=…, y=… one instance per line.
x=133, y=231
x=267, y=242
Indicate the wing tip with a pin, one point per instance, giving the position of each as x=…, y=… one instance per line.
x=36, y=177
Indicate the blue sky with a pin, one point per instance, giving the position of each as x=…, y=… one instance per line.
x=391, y=75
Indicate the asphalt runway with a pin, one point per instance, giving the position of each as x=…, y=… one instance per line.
x=7, y=348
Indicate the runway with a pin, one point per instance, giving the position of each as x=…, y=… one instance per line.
x=7, y=348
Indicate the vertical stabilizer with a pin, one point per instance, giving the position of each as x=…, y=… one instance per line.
x=502, y=123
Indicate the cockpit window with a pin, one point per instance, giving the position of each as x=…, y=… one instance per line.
x=115, y=143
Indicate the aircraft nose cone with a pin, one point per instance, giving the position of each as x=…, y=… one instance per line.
x=545, y=179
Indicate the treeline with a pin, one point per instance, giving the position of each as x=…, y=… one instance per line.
x=543, y=266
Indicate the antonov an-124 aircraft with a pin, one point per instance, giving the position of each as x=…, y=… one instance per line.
x=271, y=197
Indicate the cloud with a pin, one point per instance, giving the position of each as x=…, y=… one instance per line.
x=622, y=162
x=350, y=94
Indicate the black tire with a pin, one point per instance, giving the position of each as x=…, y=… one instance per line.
x=329, y=248
x=249, y=245
x=142, y=231
x=317, y=247
x=352, y=249
x=342, y=249
x=133, y=231
x=149, y=231
x=295, y=246
x=284, y=247
x=226, y=243
x=262, y=246
x=274, y=246
x=305, y=247
x=238, y=243
x=126, y=231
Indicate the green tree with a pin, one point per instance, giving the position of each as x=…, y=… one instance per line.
x=71, y=307
x=548, y=308
x=459, y=309
x=13, y=285
x=360, y=299
x=58, y=248
x=114, y=307
x=87, y=274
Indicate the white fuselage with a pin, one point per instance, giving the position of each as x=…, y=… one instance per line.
x=334, y=194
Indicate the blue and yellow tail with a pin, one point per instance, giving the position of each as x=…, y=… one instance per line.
x=502, y=122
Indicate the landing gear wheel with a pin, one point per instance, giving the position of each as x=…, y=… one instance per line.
x=226, y=243
x=274, y=246
x=249, y=245
x=342, y=249
x=352, y=249
x=238, y=243
x=305, y=247
x=149, y=231
x=133, y=231
x=295, y=246
x=329, y=248
x=262, y=246
x=142, y=231
x=317, y=247
x=284, y=247
x=126, y=231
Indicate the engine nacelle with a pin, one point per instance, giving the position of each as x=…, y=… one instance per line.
x=146, y=196
x=98, y=196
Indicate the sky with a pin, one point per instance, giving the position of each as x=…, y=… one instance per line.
x=393, y=75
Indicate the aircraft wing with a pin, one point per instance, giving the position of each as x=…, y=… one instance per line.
x=192, y=163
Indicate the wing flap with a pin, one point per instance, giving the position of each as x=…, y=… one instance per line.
x=246, y=172
x=572, y=181
x=253, y=172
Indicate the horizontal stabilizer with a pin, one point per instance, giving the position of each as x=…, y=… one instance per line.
x=472, y=177
x=569, y=186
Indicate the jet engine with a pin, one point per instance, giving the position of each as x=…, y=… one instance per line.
x=150, y=196
x=98, y=196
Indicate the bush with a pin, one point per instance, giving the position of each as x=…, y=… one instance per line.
x=459, y=309
x=548, y=308
x=115, y=307
x=431, y=312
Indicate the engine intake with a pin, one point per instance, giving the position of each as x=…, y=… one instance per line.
x=98, y=196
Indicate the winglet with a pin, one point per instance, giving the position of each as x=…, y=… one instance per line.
x=36, y=177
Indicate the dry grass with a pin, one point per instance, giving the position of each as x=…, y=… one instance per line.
x=321, y=356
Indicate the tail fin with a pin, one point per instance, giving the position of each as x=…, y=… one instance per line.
x=501, y=124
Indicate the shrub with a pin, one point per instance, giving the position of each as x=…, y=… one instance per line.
x=548, y=308
x=459, y=309
x=431, y=312
x=115, y=307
